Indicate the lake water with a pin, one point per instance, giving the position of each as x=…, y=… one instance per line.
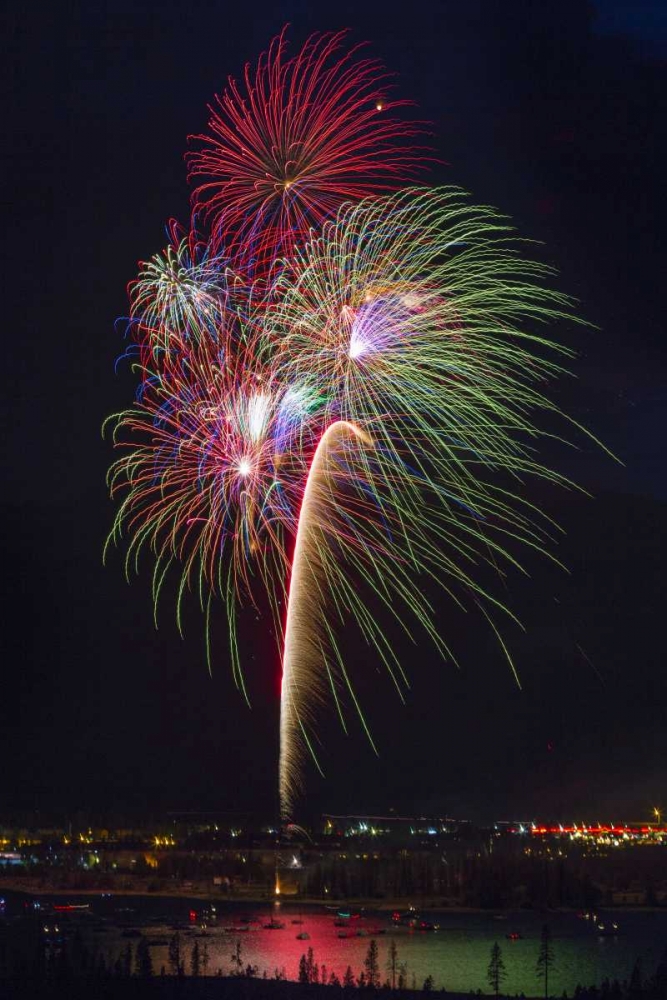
x=456, y=955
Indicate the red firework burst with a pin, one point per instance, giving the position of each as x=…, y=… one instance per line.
x=303, y=135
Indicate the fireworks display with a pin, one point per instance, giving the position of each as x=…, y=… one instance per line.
x=350, y=420
x=296, y=139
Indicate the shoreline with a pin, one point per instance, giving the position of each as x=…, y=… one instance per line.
x=375, y=905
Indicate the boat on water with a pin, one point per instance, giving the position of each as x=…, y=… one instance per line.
x=303, y=936
x=409, y=918
x=274, y=925
x=608, y=930
x=601, y=928
x=297, y=921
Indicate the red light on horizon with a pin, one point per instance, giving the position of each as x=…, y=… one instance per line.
x=597, y=830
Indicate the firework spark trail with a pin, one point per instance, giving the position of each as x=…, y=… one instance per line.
x=304, y=651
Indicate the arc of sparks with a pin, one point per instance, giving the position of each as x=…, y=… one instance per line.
x=302, y=643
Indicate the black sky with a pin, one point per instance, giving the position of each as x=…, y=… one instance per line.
x=556, y=113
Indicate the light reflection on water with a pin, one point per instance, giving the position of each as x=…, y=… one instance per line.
x=457, y=955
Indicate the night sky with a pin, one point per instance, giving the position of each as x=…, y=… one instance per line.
x=554, y=112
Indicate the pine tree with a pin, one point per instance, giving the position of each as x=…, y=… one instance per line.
x=79, y=954
x=348, y=979
x=372, y=965
x=63, y=966
x=195, y=960
x=392, y=964
x=428, y=985
x=174, y=955
x=496, y=970
x=402, y=976
x=126, y=961
x=545, y=959
x=143, y=963
x=236, y=958
x=303, y=970
x=660, y=978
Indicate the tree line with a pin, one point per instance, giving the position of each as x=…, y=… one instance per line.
x=25, y=956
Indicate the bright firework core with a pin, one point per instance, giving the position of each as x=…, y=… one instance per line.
x=357, y=347
x=377, y=325
x=259, y=409
x=244, y=467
